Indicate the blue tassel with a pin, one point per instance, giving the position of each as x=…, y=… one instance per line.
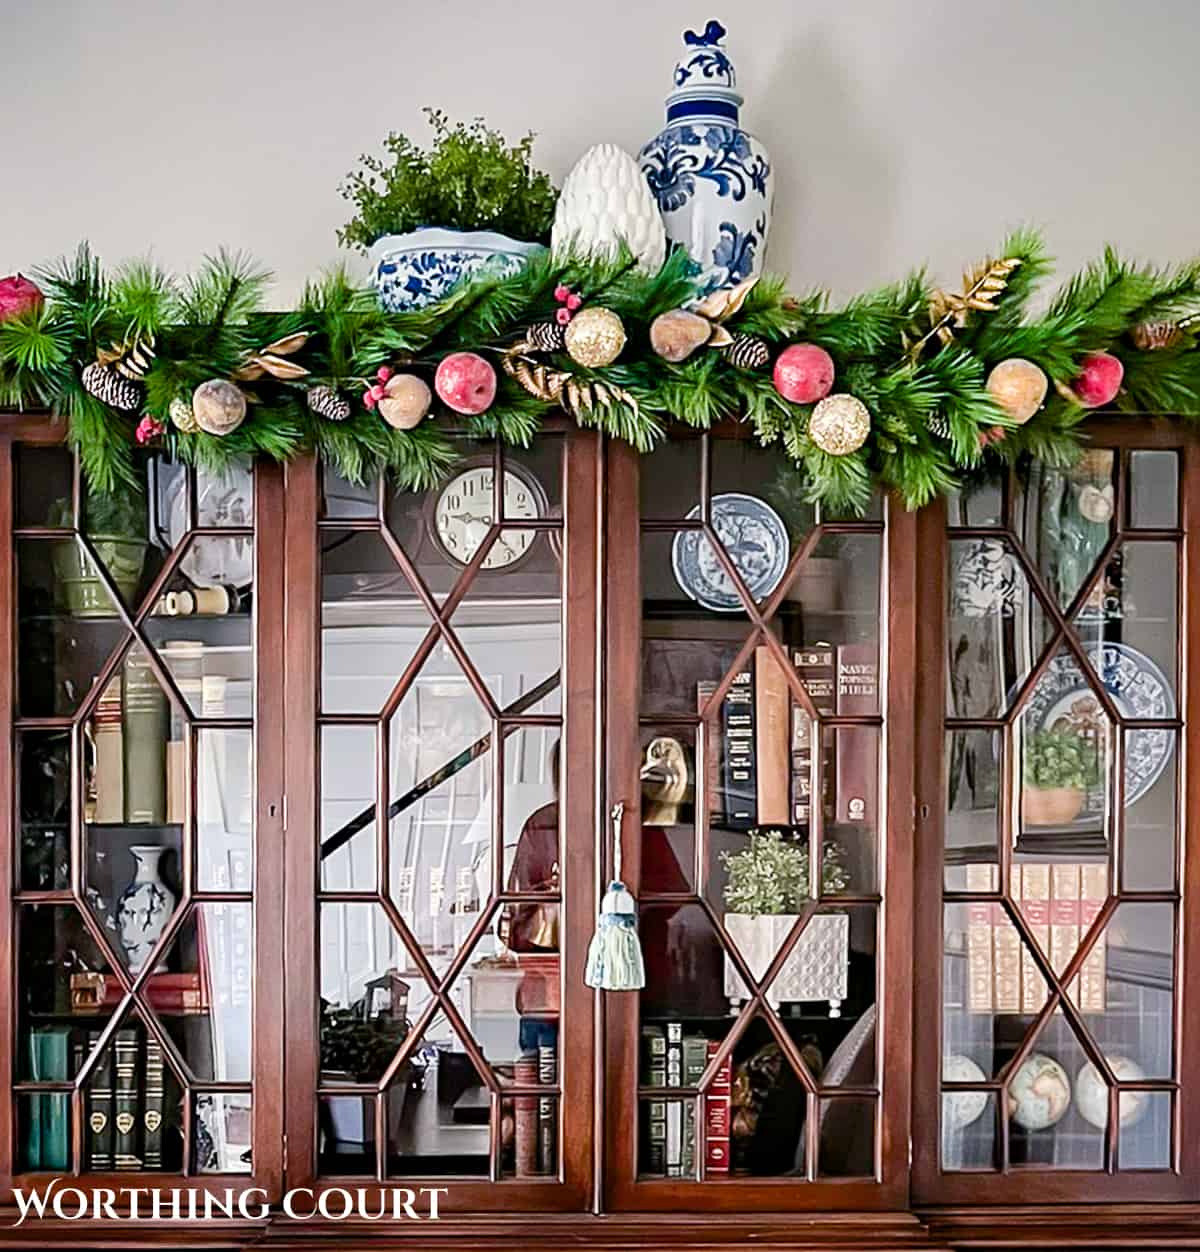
x=615, y=954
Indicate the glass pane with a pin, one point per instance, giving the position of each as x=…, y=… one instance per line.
x=1065, y=517
x=222, y=1126
x=1154, y=489
x=980, y=504
x=530, y=1154
x=834, y=599
x=1126, y=989
x=510, y=622
x=43, y=1132
x=852, y=836
x=346, y=1142
x=743, y=466
x=44, y=805
x=996, y=628
x=768, y=1104
x=225, y=809
x=532, y=839
x=968, y=1119
x=688, y=977
x=1144, y=1133
x=440, y=828
x=371, y=622
x=533, y=488
x=43, y=478
x=1047, y=1127
x=366, y=983
x=202, y=992
x=1150, y=847
x=1065, y=750
x=668, y=776
x=438, y=1112
x=224, y=497
x=341, y=498
x=669, y=479
x=1140, y=654
x=973, y=786
x=847, y=1139
x=67, y=626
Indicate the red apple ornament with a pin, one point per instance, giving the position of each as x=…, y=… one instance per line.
x=465, y=382
x=804, y=373
x=18, y=295
x=1099, y=380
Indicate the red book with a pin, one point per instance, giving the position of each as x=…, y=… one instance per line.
x=858, y=746
x=525, y=1117
x=717, y=1115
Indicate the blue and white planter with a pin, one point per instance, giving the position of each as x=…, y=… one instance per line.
x=712, y=180
x=416, y=269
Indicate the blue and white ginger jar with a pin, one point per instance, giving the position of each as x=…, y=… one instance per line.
x=712, y=180
x=420, y=267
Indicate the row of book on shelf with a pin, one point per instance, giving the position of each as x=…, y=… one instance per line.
x=674, y=1139
x=761, y=773
x=139, y=775
x=1059, y=901
x=535, y=1129
x=124, y=1113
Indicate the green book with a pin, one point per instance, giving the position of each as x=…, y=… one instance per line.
x=54, y=1046
x=33, y=1104
x=152, y=1105
x=145, y=723
x=100, y=1109
x=125, y=1103
x=695, y=1058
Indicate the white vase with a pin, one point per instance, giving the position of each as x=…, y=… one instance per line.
x=420, y=267
x=145, y=906
x=817, y=968
x=712, y=180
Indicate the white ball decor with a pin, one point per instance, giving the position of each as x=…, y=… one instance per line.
x=604, y=200
x=1091, y=1093
x=218, y=406
x=840, y=424
x=1039, y=1093
x=961, y=1108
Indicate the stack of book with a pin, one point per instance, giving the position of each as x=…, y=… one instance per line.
x=1060, y=902
x=673, y=1141
x=536, y=1116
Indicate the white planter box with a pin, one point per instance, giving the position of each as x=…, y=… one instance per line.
x=816, y=968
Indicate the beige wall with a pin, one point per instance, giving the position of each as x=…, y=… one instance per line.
x=902, y=131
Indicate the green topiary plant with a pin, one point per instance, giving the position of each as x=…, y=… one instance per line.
x=470, y=179
x=1060, y=758
x=771, y=876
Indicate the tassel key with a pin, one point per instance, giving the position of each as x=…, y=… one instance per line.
x=615, y=955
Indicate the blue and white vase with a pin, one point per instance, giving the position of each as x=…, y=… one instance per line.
x=145, y=906
x=712, y=180
x=415, y=269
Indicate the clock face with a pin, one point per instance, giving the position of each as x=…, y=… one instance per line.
x=464, y=514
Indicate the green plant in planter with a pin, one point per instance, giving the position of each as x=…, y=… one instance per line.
x=361, y=1048
x=471, y=178
x=1060, y=759
x=770, y=875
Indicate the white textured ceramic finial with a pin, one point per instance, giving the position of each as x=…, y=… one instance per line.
x=605, y=200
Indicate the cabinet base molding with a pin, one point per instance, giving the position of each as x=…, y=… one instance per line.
x=1151, y=1227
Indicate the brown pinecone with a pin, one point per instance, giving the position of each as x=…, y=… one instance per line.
x=108, y=386
x=938, y=427
x=546, y=337
x=325, y=402
x=1150, y=336
x=748, y=352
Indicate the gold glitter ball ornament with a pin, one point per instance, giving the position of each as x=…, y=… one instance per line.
x=182, y=417
x=840, y=424
x=1018, y=387
x=595, y=337
x=218, y=406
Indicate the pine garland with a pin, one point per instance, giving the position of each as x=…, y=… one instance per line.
x=916, y=356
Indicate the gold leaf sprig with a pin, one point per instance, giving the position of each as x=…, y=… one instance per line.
x=982, y=285
x=273, y=359
x=578, y=397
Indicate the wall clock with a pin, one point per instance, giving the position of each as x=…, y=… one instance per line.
x=464, y=511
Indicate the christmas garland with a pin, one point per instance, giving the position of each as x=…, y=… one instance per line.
x=908, y=387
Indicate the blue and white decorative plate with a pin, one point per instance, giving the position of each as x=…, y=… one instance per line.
x=1062, y=700
x=757, y=542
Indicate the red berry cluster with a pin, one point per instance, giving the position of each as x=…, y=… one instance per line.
x=570, y=302
x=375, y=393
x=148, y=428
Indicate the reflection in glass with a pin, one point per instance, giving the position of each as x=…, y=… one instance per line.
x=973, y=785
x=1153, y=489
x=222, y=1126
x=44, y=805
x=1150, y=848
x=847, y=1138
x=968, y=1120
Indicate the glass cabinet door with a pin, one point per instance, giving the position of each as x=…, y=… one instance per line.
x=134, y=709
x=451, y=758
x=748, y=734
x=1062, y=852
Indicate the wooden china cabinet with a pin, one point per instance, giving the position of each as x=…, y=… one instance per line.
x=313, y=787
